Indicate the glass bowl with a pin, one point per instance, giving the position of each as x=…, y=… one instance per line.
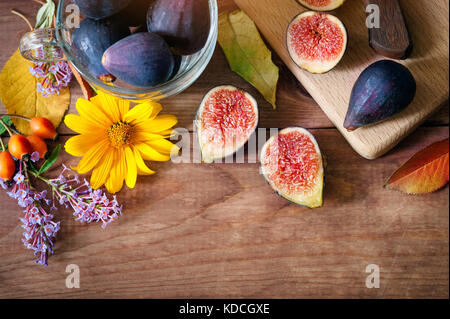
x=57, y=45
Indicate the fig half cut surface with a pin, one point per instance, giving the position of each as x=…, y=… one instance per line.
x=225, y=120
x=383, y=89
x=321, y=5
x=316, y=41
x=292, y=164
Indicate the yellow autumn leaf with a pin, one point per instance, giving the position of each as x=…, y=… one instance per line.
x=247, y=54
x=18, y=94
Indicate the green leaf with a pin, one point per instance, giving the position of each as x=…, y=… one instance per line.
x=44, y=18
x=32, y=168
x=7, y=121
x=50, y=160
x=247, y=54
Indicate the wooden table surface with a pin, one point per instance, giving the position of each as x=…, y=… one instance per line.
x=211, y=231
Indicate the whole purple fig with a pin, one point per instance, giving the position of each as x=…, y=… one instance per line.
x=100, y=9
x=382, y=90
x=143, y=59
x=91, y=40
x=184, y=24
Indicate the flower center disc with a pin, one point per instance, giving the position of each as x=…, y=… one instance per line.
x=119, y=134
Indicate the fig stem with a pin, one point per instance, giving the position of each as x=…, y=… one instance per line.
x=23, y=17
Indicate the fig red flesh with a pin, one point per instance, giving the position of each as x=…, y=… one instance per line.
x=321, y=5
x=226, y=118
x=316, y=41
x=292, y=164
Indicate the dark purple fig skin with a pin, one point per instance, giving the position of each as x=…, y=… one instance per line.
x=135, y=14
x=100, y=9
x=177, y=65
x=184, y=24
x=91, y=40
x=382, y=90
x=143, y=59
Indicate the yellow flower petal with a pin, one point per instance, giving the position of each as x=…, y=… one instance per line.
x=163, y=146
x=150, y=154
x=93, y=156
x=168, y=133
x=142, y=169
x=79, y=145
x=124, y=107
x=108, y=104
x=139, y=113
x=156, y=109
x=109, y=185
x=101, y=172
x=91, y=112
x=159, y=124
x=80, y=125
x=142, y=136
x=118, y=172
x=131, y=168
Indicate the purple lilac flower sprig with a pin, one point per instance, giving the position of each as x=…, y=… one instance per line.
x=54, y=76
x=40, y=229
x=67, y=190
x=88, y=205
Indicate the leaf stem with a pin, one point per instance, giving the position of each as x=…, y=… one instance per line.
x=8, y=129
x=37, y=175
x=23, y=17
x=17, y=116
x=3, y=145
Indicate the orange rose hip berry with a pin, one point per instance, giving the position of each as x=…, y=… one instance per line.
x=38, y=145
x=19, y=146
x=7, y=166
x=42, y=127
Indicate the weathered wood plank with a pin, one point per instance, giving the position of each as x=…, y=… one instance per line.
x=218, y=230
x=428, y=64
x=294, y=107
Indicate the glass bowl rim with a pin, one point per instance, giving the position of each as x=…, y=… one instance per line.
x=164, y=90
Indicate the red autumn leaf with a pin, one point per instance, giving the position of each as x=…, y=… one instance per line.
x=425, y=172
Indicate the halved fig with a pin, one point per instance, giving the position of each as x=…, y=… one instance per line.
x=321, y=5
x=291, y=162
x=225, y=121
x=316, y=41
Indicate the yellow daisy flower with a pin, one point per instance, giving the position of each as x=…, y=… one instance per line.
x=115, y=140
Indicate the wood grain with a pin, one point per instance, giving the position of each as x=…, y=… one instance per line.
x=295, y=107
x=218, y=230
x=211, y=231
x=429, y=64
x=392, y=38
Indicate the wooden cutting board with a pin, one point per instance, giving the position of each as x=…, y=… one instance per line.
x=429, y=63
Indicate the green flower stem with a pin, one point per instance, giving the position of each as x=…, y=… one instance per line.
x=12, y=131
x=8, y=129
x=17, y=116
